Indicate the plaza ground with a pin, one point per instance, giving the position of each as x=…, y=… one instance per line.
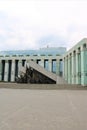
x=27, y=109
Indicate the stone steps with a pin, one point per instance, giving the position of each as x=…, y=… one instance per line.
x=42, y=86
x=39, y=68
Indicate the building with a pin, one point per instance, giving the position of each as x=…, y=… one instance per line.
x=11, y=62
x=70, y=65
x=75, y=64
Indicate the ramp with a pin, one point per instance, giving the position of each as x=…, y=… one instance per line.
x=42, y=70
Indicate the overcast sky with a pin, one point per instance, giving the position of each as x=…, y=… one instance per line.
x=32, y=24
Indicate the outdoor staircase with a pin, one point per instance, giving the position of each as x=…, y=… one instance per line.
x=42, y=70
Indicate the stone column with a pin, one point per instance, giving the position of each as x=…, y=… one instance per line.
x=19, y=66
x=13, y=71
x=77, y=66
x=50, y=65
x=27, y=63
x=79, y=56
x=35, y=60
x=72, y=67
x=83, y=65
x=69, y=69
x=6, y=71
x=57, y=66
x=65, y=68
x=0, y=70
x=42, y=62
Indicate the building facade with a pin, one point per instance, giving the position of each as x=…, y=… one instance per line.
x=71, y=65
x=75, y=64
x=10, y=65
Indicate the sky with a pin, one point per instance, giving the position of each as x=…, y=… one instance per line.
x=33, y=24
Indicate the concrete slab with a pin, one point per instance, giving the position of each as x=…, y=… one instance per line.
x=24, y=109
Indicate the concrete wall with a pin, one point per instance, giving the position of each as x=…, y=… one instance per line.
x=10, y=65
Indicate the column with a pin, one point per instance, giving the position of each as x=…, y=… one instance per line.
x=27, y=63
x=77, y=66
x=6, y=71
x=69, y=69
x=35, y=60
x=72, y=67
x=42, y=63
x=65, y=68
x=13, y=71
x=19, y=67
x=57, y=66
x=50, y=65
x=83, y=65
x=0, y=70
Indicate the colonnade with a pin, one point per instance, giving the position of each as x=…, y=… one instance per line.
x=72, y=65
x=75, y=65
x=10, y=67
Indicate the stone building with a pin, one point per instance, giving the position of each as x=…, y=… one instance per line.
x=70, y=66
x=75, y=64
x=11, y=63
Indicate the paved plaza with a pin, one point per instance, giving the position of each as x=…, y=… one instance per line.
x=25, y=109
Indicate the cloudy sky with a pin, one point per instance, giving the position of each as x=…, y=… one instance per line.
x=32, y=24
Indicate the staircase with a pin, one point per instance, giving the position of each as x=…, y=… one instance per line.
x=37, y=67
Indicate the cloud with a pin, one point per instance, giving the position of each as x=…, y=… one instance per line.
x=33, y=24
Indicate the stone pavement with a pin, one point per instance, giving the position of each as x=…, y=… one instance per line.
x=25, y=109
